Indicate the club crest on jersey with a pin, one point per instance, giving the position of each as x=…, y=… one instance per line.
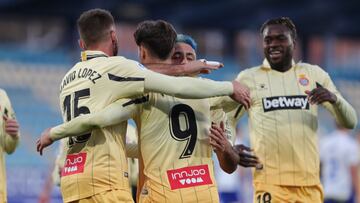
x=74, y=163
x=189, y=177
x=285, y=102
x=303, y=80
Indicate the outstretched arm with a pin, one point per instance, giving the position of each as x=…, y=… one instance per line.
x=191, y=68
x=115, y=113
x=195, y=88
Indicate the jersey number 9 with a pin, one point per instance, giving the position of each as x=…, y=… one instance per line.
x=189, y=134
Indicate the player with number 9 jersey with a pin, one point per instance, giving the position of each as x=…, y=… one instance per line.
x=175, y=150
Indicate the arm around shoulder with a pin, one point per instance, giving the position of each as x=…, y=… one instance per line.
x=186, y=87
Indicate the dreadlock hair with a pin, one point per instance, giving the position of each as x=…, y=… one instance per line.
x=286, y=21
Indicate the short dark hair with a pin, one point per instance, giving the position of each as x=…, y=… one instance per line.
x=286, y=21
x=94, y=24
x=157, y=36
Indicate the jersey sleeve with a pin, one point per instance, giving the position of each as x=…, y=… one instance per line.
x=123, y=78
x=115, y=113
x=131, y=79
x=186, y=87
x=343, y=112
x=10, y=143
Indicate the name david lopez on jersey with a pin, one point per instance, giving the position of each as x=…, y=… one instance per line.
x=285, y=102
x=189, y=176
x=86, y=73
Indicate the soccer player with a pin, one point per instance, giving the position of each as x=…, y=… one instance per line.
x=187, y=132
x=9, y=138
x=221, y=137
x=339, y=155
x=283, y=118
x=96, y=168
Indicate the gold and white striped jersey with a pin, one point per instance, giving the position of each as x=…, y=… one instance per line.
x=283, y=124
x=96, y=162
x=175, y=150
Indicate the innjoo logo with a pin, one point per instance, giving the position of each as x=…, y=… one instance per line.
x=74, y=163
x=285, y=102
x=189, y=177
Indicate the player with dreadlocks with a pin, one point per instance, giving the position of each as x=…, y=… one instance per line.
x=283, y=118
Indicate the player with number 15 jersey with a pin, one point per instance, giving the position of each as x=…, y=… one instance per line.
x=95, y=160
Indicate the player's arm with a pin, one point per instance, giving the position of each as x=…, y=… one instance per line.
x=326, y=94
x=228, y=105
x=136, y=80
x=191, y=68
x=11, y=131
x=246, y=159
x=226, y=155
x=194, y=88
x=115, y=113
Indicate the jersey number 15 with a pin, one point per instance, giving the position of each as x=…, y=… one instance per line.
x=76, y=111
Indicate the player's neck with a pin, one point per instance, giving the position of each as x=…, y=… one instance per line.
x=282, y=67
x=153, y=60
x=101, y=47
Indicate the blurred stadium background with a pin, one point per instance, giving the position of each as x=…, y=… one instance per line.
x=38, y=44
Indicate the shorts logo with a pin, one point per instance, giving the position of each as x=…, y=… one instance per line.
x=303, y=80
x=189, y=177
x=285, y=102
x=74, y=163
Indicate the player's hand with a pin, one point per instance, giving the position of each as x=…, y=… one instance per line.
x=43, y=141
x=201, y=66
x=241, y=94
x=320, y=95
x=11, y=127
x=246, y=159
x=218, y=138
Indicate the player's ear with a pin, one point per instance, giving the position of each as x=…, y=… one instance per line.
x=294, y=43
x=142, y=53
x=82, y=44
x=113, y=36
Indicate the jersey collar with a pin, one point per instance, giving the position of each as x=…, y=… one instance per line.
x=87, y=55
x=266, y=65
